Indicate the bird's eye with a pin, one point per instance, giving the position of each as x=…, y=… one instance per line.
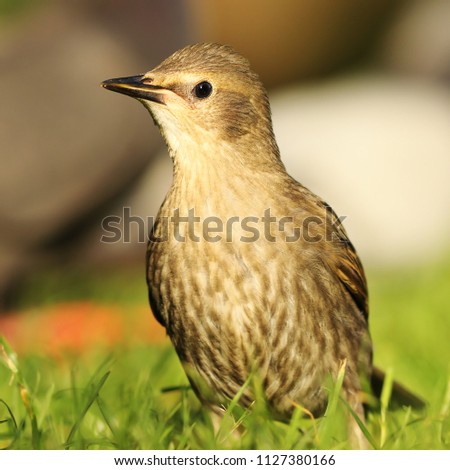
x=203, y=90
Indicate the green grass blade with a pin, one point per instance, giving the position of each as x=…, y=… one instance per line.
x=91, y=399
x=361, y=425
x=10, y=360
x=326, y=428
x=384, y=403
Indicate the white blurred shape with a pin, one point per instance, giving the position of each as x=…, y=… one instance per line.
x=377, y=149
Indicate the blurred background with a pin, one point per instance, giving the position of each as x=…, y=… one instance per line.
x=360, y=95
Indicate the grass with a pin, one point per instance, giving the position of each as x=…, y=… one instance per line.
x=137, y=396
x=11, y=8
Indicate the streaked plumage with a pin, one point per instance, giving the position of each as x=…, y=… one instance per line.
x=292, y=311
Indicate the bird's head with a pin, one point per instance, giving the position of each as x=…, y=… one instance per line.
x=204, y=94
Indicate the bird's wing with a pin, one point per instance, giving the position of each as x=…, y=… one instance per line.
x=152, y=292
x=346, y=263
x=155, y=309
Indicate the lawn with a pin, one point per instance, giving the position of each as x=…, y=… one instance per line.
x=83, y=366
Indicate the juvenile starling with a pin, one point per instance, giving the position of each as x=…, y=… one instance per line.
x=247, y=269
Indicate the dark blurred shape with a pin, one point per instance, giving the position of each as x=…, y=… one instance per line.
x=68, y=150
x=152, y=29
x=293, y=39
x=419, y=41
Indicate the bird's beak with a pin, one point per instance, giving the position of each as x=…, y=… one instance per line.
x=137, y=87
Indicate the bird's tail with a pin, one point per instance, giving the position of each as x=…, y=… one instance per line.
x=400, y=395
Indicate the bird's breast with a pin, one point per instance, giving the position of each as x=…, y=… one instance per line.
x=229, y=293
x=243, y=291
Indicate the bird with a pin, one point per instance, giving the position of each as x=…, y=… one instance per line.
x=248, y=270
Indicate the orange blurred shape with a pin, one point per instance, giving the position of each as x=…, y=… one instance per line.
x=79, y=326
